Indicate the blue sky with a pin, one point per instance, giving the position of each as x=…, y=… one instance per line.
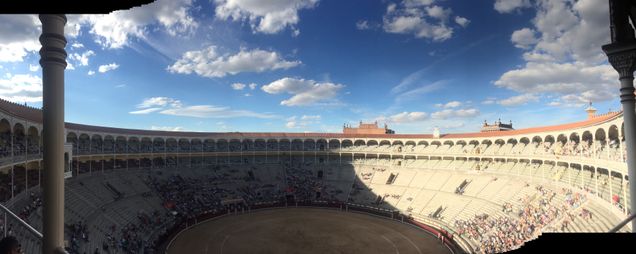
x=313, y=65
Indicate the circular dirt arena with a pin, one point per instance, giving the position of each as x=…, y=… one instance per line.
x=304, y=230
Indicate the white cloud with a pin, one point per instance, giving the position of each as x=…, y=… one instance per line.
x=21, y=88
x=209, y=63
x=453, y=125
x=462, y=21
x=466, y=112
x=211, y=111
x=422, y=19
x=565, y=78
x=446, y=113
x=569, y=31
x=114, y=30
x=145, y=111
x=577, y=101
x=91, y=73
x=452, y=104
x=305, y=92
x=391, y=8
x=264, y=16
x=171, y=106
x=241, y=86
x=417, y=3
x=408, y=117
x=238, y=86
x=588, y=96
x=537, y=57
x=489, y=101
x=310, y=118
x=291, y=123
x=166, y=128
x=222, y=126
x=437, y=12
x=507, y=6
x=524, y=38
x=565, y=56
x=73, y=27
x=302, y=122
x=289, y=85
x=159, y=102
x=20, y=35
x=362, y=25
x=573, y=30
x=34, y=67
x=518, y=100
x=83, y=58
x=107, y=67
x=455, y=113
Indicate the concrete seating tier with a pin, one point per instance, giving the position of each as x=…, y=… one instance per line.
x=416, y=187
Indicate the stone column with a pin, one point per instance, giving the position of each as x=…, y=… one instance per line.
x=622, y=56
x=53, y=62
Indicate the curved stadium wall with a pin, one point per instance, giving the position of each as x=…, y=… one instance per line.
x=397, y=169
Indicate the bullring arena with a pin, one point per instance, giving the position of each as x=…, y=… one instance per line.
x=309, y=230
x=133, y=191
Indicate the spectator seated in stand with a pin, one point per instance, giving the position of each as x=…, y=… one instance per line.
x=10, y=245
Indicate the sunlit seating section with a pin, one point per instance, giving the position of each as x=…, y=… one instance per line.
x=493, y=148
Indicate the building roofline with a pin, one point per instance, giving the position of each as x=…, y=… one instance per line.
x=35, y=115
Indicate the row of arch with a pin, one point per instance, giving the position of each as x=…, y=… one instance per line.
x=85, y=144
x=20, y=139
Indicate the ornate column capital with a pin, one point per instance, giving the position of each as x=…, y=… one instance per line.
x=622, y=56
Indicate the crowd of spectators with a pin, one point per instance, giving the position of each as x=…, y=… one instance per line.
x=235, y=187
x=587, y=149
x=301, y=182
x=507, y=207
x=496, y=234
x=127, y=240
x=77, y=233
x=35, y=202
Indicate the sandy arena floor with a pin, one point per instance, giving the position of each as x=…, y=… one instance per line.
x=304, y=230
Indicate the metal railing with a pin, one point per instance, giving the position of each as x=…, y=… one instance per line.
x=20, y=221
x=623, y=223
x=26, y=225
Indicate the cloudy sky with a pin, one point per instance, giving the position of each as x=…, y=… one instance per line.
x=313, y=65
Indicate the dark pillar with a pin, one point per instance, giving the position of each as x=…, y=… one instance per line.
x=53, y=62
x=622, y=56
